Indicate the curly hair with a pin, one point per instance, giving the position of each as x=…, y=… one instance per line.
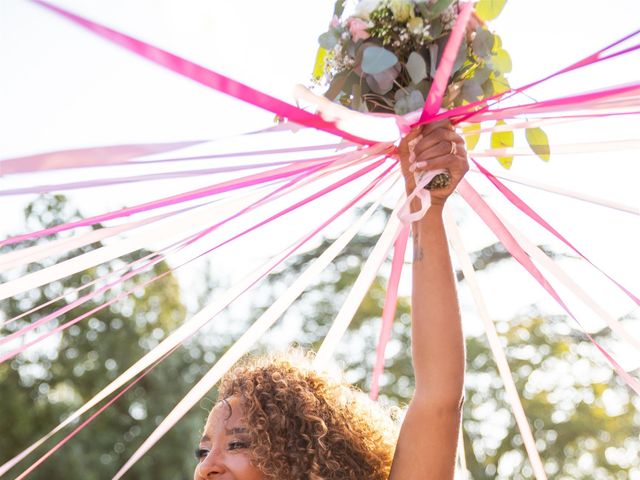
x=305, y=425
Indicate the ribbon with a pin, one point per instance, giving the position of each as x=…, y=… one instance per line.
x=526, y=209
x=483, y=210
x=389, y=309
x=244, y=343
x=205, y=76
x=496, y=348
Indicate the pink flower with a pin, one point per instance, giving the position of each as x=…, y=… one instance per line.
x=335, y=21
x=358, y=29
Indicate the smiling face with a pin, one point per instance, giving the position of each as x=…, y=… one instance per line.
x=224, y=450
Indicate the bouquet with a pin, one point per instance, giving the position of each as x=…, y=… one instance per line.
x=382, y=57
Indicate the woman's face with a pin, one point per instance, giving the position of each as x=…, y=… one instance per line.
x=223, y=453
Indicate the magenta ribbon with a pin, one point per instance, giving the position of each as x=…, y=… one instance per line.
x=290, y=252
x=206, y=77
x=483, y=210
x=389, y=309
x=525, y=208
x=85, y=298
x=251, y=180
x=448, y=59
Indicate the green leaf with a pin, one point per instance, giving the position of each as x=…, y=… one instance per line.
x=483, y=43
x=417, y=67
x=439, y=7
x=539, y=142
x=339, y=8
x=489, y=9
x=328, y=40
x=471, y=90
x=481, y=75
x=502, y=140
x=470, y=138
x=402, y=106
x=501, y=61
x=461, y=58
x=335, y=87
x=377, y=59
x=416, y=101
x=318, y=68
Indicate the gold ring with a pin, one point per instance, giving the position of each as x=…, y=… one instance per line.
x=454, y=148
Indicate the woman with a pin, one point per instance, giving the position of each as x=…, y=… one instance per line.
x=278, y=419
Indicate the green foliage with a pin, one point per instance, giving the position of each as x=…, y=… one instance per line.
x=500, y=140
x=539, y=142
x=42, y=386
x=489, y=9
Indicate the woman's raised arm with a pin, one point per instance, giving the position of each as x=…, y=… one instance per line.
x=427, y=443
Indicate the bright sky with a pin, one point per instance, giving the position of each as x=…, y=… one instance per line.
x=62, y=87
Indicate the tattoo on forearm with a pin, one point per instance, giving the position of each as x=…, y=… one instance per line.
x=418, y=254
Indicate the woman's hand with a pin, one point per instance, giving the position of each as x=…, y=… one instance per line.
x=438, y=147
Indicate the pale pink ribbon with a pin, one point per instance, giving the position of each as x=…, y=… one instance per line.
x=250, y=180
x=389, y=309
x=201, y=234
x=85, y=157
x=526, y=209
x=143, y=363
x=493, y=222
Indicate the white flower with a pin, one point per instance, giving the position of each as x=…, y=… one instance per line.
x=365, y=7
x=415, y=25
x=402, y=9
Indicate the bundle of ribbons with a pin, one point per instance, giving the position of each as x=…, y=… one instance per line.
x=196, y=218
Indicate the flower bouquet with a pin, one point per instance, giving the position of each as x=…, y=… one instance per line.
x=382, y=57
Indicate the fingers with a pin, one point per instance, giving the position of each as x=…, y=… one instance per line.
x=436, y=136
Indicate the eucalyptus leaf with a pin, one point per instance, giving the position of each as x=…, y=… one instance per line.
x=502, y=140
x=489, y=9
x=482, y=43
x=377, y=59
x=356, y=94
x=402, y=106
x=461, y=58
x=339, y=8
x=471, y=90
x=471, y=135
x=336, y=85
x=417, y=67
x=539, y=143
x=328, y=40
x=481, y=74
x=416, y=101
x=433, y=63
x=382, y=82
x=438, y=7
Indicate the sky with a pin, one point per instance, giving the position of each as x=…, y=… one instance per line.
x=61, y=87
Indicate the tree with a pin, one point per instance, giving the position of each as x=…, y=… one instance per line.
x=584, y=420
x=43, y=385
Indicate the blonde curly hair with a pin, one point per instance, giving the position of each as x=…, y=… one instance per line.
x=305, y=425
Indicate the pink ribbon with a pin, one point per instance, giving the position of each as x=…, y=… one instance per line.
x=205, y=76
x=87, y=157
x=443, y=73
x=389, y=309
x=510, y=243
x=250, y=180
x=26, y=345
x=525, y=208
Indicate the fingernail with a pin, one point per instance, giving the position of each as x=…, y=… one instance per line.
x=412, y=167
x=421, y=164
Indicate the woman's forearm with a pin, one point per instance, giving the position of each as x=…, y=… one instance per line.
x=437, y=340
